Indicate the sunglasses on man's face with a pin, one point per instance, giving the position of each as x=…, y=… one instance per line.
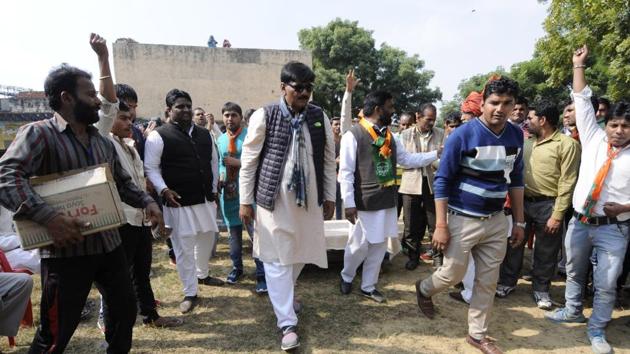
x=301, y=87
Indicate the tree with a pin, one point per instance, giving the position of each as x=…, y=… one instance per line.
x=342, y=45
x=602, y=25
x=449, y=107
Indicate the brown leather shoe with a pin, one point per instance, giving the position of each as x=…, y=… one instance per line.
x=424, y=303
x=485, y=345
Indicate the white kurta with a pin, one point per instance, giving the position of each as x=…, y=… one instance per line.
x=289, y=234
x=187, y=220
x=376, y=226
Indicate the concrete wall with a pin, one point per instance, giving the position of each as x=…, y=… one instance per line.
x=212, y=76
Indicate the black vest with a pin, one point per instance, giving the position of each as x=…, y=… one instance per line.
x=275, y=148
x=187, y=163
x=368, y=193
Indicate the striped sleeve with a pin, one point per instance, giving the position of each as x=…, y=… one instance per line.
x=22, y=158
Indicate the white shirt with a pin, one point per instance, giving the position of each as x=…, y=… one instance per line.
x=347, y=164
x=594, y=154
x=127, y=155
x=153, y=155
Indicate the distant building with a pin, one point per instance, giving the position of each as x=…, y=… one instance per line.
x=19, y=109
x=212, y=76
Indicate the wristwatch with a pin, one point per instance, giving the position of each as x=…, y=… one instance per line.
x=522, y=225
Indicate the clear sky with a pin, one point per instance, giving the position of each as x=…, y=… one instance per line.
x=455, y=38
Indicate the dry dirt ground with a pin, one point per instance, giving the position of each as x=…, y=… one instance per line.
x=234, y=319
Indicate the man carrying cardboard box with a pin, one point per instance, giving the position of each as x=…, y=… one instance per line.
x=65, y=142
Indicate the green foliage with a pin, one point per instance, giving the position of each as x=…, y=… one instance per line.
x=447, y=108
x=602, y=25
x=342, y=45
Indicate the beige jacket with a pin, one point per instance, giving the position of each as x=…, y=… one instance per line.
x=412, y=141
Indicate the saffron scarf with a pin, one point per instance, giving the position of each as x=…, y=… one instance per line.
x=381, y=155
x=232, y=172
x=596, y=188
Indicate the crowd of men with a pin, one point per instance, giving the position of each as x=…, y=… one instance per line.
x=500, y=174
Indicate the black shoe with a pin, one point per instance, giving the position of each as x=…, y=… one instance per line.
x=374, y=295
x=456, y=295
x=210, y=281
x=345, y=287
x=412, y=264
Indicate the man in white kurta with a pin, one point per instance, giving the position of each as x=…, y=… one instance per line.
x=193, y=225
x=371, y=228
x=287, y=235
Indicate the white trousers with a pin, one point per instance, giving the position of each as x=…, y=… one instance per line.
x=281, y=281
x=469, y=280
x=192, y=253
x=359, y=250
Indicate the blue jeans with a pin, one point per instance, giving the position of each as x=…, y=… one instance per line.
x=607, y=244
x=236, y=249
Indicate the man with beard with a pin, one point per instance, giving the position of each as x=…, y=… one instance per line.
x=598, y=231
x=65, y=142
x=181, y=162
x=367, y=175
x=551, y=165
x=603, y=108
x=481, y=164
x=230, y=146
x=288, y=170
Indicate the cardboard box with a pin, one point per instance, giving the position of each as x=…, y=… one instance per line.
x=89, y=194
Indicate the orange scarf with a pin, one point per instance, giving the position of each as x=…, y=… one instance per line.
x=232, y=142
x=232, y=172
x=385, y=149
x=598, y=184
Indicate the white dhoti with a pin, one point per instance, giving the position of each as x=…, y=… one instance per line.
x=193, y=238
x=367, y=244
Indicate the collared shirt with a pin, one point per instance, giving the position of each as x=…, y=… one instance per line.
x=551, y=167
x=594, y=154
x=415, y=141
x=50, y=146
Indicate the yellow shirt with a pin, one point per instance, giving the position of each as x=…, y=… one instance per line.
x=551, y=169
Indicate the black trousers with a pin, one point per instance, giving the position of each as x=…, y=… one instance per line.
x=546, y=249
x=136, y=241
x=418, y=214
x=66, y=283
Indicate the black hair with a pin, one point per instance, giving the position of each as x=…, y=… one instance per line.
x=231, y=106
x=620, y=111
x=502, y=86
x=453, y=117
x=373, y=100
x=122, y=106
x=604, y=101
x=248, y=113
x=522, y=101
x=335, y=118
x=198, y=109
x=174, y=94
x=411, y=115
x=595, y=102
x=60, y=79
x=125, y=92
x=549, y=110
x=426, y=106
x=294, y=71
